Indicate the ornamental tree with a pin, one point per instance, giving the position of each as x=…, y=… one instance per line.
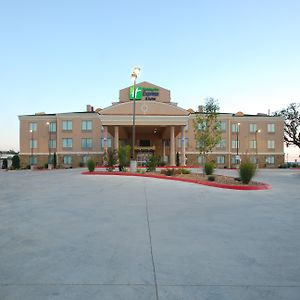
x=207, y=127
x=291, y=116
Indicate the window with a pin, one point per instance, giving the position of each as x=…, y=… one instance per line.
x=236, y=127
x=86, y=143
x=221, y=159
x=186, y=142
x=32, y=160
x=221, y=144
x=144, y=143
x=67, y=159
x=202, y=126
x=271, y=128
x=271, y=144
x=223, y=125
x=252, y=127
x=52, y=143
x=233, y=159
x=67, y=125
x=33, y=126
x=67, y=143
x=270, y=160
x=252, y=144
x=107, y=142
x=253, y=160
x=85, y=158
x=235, y=144
x=52, y=127
x=33, y=144
x=200, y=144
x=86, y=125
x=201, y=159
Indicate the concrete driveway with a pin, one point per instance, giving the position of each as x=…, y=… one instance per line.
x=68, y=236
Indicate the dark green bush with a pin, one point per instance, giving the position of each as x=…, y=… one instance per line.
x=247, y=171
x=110, y=159
x=152, y=163
x=124, y=157
x=209, y=168
x=91, y=164
x=16, y=162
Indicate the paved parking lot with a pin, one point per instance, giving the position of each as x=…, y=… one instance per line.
x=68, y=236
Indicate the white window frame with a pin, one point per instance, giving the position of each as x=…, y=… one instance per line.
x=67, y=143
x=252, y=144
x=33, y=126
x=271, y=144
x=67, y=125
x=67, y=159
x=220, y=159
x=270, y=160
x=271, y=128
x=52, y=127
x=33, y=144
x=253, y=127
x=87, y=125
x=86, y=143
x=235, y=144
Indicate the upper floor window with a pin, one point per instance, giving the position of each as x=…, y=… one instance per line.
x=221, y=144
x=33, y=126
x=33, y=144
x=52, y=143
x=67, y=143
x=222, y=125
x=236, y=127
x=271, y=127
x=67, y=125
x=235, y=144
x=252, y=144
x=181, y=141
x=202, y=126
x=252, y=127
x=271, y=144
x=86, y=143
x=52, y=127
x=86, y=125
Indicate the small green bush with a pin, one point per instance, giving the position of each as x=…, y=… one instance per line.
x=91, y=164
x=209, y=168
x=16, y=162
x=152, y=163
x=247, y=171
x=184, y=171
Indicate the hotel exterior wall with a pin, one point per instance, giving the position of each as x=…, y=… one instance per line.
x=42, y=136
x=245, y=139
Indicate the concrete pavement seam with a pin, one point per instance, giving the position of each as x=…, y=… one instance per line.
x=150, y=241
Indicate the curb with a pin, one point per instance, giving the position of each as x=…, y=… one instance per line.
x=263, y=186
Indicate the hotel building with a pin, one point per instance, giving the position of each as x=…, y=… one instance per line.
x=162, y=128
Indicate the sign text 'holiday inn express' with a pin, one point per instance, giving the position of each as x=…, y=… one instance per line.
x=140, y=92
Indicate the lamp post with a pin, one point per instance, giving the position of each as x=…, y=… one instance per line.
x=49, y=151
x=256, y=146
x=31, y=149
x=237, y=143
x=135, y=73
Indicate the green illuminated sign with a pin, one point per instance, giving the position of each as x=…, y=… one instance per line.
x=148, y=93
x=138, y=93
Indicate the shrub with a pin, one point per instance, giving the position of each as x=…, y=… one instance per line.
x=209, y=168
x=110, y=159
x=247, y=171
x=170, y=172
x=184, y=171
x=211, y=178
x=152, y=163
x=91, y=164
x=124, y=157
x=16, y=162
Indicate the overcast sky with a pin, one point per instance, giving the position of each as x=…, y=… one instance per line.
x=59, y=55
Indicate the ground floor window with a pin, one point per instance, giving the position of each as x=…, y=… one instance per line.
x=270, y=160
x=221, y=160
x=85, y=158
x=201, y=159
x=33, y=160
x=253, y=159
x=67, y=159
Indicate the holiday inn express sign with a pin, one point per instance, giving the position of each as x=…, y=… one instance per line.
x=143, y=92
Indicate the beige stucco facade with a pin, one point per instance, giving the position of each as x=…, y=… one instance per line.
x=161, y=128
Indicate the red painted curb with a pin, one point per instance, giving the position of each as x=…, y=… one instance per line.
x=263, y=186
